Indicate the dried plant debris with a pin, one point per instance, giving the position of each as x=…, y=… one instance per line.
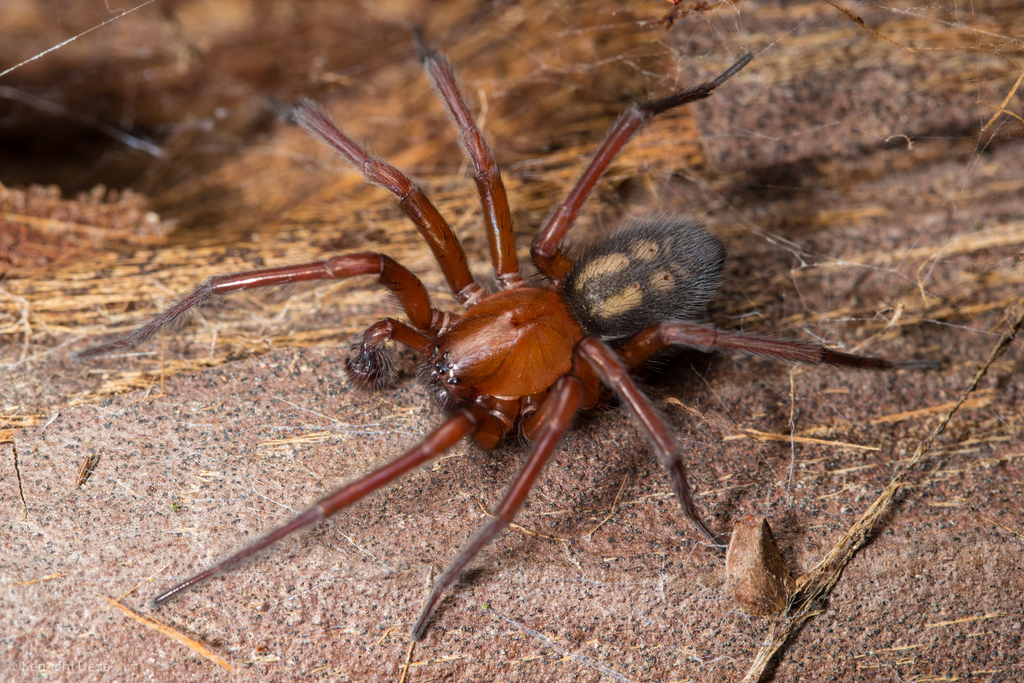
x=756, y=574
x=86, y=469
x=39, y=227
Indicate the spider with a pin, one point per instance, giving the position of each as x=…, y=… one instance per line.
x=527, y=358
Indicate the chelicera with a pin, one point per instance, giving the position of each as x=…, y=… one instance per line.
x=527, y=358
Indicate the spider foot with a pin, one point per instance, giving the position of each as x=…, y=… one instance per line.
x=371, y=366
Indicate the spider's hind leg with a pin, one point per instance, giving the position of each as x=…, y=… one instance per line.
x=706, y=338
x=546, y=252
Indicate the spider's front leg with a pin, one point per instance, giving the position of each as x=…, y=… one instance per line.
x=463, y=423
x=406, y=287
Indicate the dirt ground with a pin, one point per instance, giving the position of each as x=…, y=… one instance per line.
x=866, y=180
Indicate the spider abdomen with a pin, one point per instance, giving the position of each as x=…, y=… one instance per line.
x=655, y=269
x=514, y=343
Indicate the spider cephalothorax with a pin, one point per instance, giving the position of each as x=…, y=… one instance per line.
x=526, y=358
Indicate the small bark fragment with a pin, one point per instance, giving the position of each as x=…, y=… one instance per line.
x=756, y=574
x=85, y=470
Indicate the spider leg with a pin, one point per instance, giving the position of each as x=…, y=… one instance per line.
x=432, y=225
x=611, y=370
x=673, y=333
x=489, y=185
x=545, y=247
x=565, y=400
x=461, y=424
x=411, y=293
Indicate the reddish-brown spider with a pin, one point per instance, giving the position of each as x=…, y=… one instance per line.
x=525, y=358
